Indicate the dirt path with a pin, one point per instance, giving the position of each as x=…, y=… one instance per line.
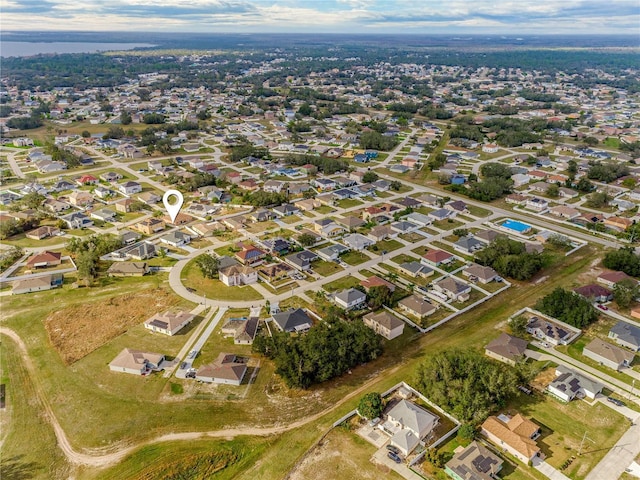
x=99, y=459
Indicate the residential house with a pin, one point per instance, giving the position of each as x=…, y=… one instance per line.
x=275, y=271
x=488, y=236
x=243, y=330
x=42, y=232
x=301, y=260
x=408, y=424
x=111, y=177
x=417, y=306
x=419, y=219
x=595, y=293
x=293, y=320
x=307, y=204
x=480, y=273
x=136, y=362
x=128, y=237
x=350, y=298
x=626, y=335
x=468, y=245
x=207, y=229
x=564, y=211
x=536, y=204
x=611, y=278
x=384, y=323
x=328, y=228
x=570, y=384
x=607, y=354
x=55, y=206
x=104, y=215
x=128, y=269
x=227, y=369
x=507, y=349
x=551, y=331
x=357, y=242
x=80, y=198
x=436, y=258
x=44, y=260
x=168, y=323
x=453, y=289
x=37, y=284
x=180, y=219
x=285, y=210
x=175, y=239
x=350, y=222
x=237, y=275
x=137, y=251
x=332, y=252
x=516, y=198
x=375, y=281
x=149, y=226
x=276, y=246
x=619, y=224
x=87, y=180
x=149, y=198
x=76, y=220
x=442, y=214
x=274, y=186
x=475, y=462
x=415, y=269
x=381, y=232
x=515, y=434
x=323, y=184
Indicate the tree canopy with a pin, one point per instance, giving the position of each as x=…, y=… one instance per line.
x=510, y=259
x=568, y=307
x=623, y=260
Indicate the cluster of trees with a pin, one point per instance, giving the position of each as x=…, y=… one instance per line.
x=12, y=227
x=496, y=182
x=247, y=149
x=25, y=123
x=260, y=198
x=510, y=259
x=513, y=132
x=625, y=292
x=371, y=405
x=328, y=166
x=69, y=158
x=466, y=383
x=377, y=141
x=9, y=257
x=87, y=253
x=328, y=350
x=607, y=172
x=208, y=265
x=153, y=118
x=568, y=307
x=624, y=260
x=200, y=179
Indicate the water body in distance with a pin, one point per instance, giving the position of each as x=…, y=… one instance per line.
x=27, y=49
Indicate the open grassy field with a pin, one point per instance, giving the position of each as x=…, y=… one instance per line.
x=355, y=258
x=116, y=409
x=214, y=288
x=324, y=268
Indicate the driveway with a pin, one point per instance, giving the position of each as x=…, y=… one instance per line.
x=547, y=470
x=380, y=457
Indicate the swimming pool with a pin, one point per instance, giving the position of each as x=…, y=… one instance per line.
x=516, y=226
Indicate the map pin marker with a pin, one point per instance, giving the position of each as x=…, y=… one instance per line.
x=174, y=208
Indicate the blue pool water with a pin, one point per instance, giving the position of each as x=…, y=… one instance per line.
x=516, y=226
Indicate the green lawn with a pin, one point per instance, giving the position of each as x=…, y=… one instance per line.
x=95, y=418
x=341, y=284
x=21, y=241
x=324, y=268
x=387, y=245
x=354, y=258
x=348, y=203
x=214, y=288
x=325, y=209
x=404, y=258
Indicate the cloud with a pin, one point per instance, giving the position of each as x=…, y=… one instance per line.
x=349, y=16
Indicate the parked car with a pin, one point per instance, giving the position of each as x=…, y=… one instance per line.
x=373, y=422
x=393, y=449
x=394, y=457
x=615, y=401
x=603, y=307
x=183, y=365
x=193, y=353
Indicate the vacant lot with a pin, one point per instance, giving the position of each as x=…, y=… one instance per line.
x=342, y=454
x=78, y=330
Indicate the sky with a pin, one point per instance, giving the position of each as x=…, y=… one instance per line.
x=341, y=16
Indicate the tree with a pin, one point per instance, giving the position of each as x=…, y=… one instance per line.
x=306, y=240
x=466, y=432
x=208, y=265
x=568, y=307
x=125, y=118
x=395, y=185
x=553, y=190
x=624, y=260
x=625, y=292
x=370, y=177
x=518, y=326
x=87, y=264
x=371, y=405
x=86, y=134
x=378, y=296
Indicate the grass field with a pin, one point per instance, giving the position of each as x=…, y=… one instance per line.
x=214, y=288
x=129, y=410
x=324, y=268
x=341, y=284
x=354, y=258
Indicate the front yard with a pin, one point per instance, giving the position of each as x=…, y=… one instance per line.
x=213, y=288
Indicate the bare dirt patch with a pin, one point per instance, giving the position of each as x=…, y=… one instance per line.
x=543, y=379
x=78, y=330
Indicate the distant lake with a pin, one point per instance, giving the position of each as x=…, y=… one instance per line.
x=27, y=49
